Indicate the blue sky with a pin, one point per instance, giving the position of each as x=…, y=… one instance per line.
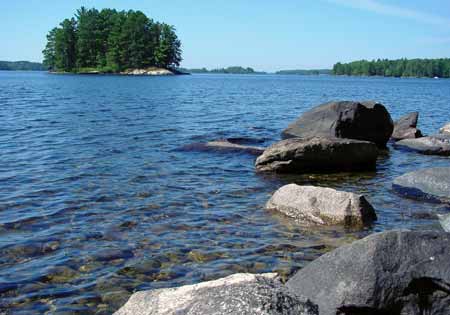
x=264, y=34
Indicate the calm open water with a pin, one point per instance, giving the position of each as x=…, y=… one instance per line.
x=97, y=200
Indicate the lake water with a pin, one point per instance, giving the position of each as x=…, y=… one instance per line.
x=97, y=200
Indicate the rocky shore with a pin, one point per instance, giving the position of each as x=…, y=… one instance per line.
x=395, y=272
x=151, y=71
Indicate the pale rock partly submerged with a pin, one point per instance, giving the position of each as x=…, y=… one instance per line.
x=322, y=206
x=238, y=294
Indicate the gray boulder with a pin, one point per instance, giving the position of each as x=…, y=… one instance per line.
x=432, y=184
x=318, y=155
x=322, y=206
x=395, y=273
x=237, y=294
x=431, y=145
x=445, y=129
x=406, y=127
x=365, y=120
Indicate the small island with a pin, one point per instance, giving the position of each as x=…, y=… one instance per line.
x=110, y=41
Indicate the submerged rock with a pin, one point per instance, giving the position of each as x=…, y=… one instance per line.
x=445, y=129
x=397, y=272
x=225, y=145
x=365, y=120
x=432, y=184
x=322, y=206
x=318, y=154
x=245, y=294
x=406, y=127
x=432, y=145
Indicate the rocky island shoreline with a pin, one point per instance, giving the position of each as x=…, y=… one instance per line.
x=394, y=272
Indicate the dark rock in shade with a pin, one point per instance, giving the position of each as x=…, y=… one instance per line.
x=365, y=120
x=395, y=273
x=322, y=206
x=318, y=155
x=432, y=184
x=431, y=145
x=406, y=127
x=239, y=294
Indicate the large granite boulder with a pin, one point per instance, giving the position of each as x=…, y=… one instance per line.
x=445, y=129
x=322, y=206
x=318, y=154
x=365, y=120
x=245, y=294
x=432, y=184
x=395, y=273
x=431, y=145
x=406, y=127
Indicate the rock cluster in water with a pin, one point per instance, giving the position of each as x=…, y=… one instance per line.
x=396, y=272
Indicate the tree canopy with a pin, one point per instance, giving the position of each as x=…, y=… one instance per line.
x=396, y=68
x=111, y=41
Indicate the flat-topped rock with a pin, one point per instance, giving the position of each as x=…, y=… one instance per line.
x=431, y=145
x=406, y=127
x=322, y=206
x=366, y=120
x=397, y=272
x=432, y=184
x=238, y=294
x=318, y=154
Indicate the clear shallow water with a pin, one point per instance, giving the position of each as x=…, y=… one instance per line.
x=97, y=200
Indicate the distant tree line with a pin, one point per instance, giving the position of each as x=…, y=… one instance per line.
x=305, y=72
x=396, y=68
x=228, y=70
x=111, y=41
x=21, y=65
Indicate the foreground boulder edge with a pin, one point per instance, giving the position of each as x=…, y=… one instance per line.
x=406, y=127
x=366, y=120
x=245, y=294
x=397, y=272
x=322, y=206
x=431, y=184
x=318, y=154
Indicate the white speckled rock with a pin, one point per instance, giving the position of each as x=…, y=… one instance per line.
x=238, y=294
x=445, y=128
x=323, y=206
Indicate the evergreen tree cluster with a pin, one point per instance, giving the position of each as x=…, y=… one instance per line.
x=111, y=41
x=396, y=68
